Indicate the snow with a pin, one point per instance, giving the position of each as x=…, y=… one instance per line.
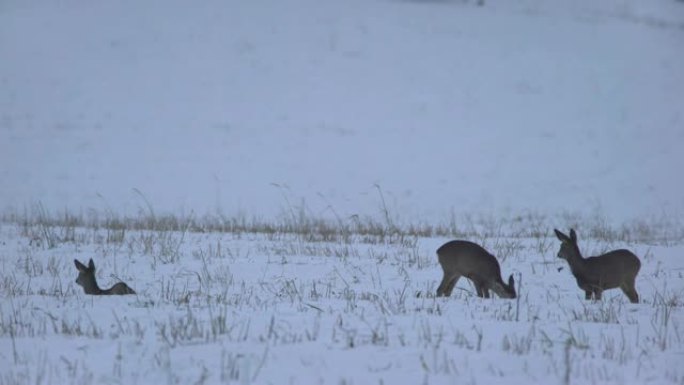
x=427, y=111
x=247, y=308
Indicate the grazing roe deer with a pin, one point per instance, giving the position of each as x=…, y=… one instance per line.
x=468, y=259
x=86, y=278
x=617, y=268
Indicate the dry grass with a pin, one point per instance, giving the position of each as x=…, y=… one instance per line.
x=50, y=228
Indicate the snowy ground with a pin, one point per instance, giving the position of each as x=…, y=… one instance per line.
x=278, y=309
x=494, y=123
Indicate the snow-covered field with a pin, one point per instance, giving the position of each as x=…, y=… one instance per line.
x=277, y=308
x=273, y=178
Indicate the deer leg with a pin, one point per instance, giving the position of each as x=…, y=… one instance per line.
x=631, y=293
x=587, y=294
x=481, y=290
x=452, y=283
x=485, y=290
x=441, y=290
x=597, y=294
x=447, y=285
x=478, y=290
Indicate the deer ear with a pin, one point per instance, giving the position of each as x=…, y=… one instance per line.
x=511, y=282
x=561, y=237
x=91, y=264
x=573, y=236
x=79, y=265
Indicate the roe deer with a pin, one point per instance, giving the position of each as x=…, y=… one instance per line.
x=86, y=278
x=468, y=259
x=617, y=268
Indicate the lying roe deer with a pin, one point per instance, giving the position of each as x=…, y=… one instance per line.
x=617, y=268
x=86, y=278
x=468, y=259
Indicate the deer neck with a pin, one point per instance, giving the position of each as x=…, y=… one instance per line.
x=92, y=287
x=577, y=262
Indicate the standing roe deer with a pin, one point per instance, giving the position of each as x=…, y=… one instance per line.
x=86, y=278
x=468, y=259
x=617, y=268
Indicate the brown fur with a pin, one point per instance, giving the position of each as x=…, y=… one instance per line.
x=463, y=258
x=617, y=268
x=86, y=278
